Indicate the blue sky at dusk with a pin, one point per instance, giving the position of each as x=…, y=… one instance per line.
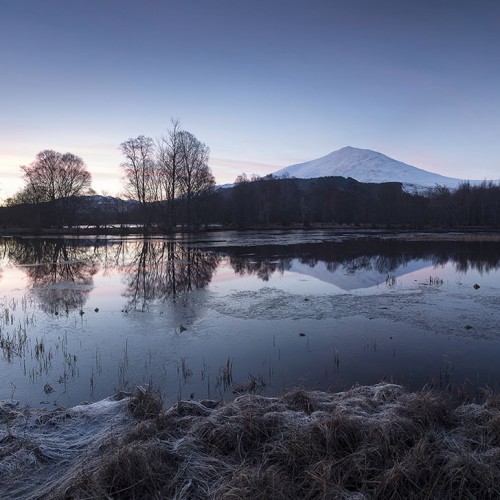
x=264, y=83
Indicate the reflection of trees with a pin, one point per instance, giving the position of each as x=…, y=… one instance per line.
x=263, y=268
x=60, y=272
x=367, y=254
x=161, y=269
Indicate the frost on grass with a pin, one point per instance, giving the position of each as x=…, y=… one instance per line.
x=367, y=442
x=37, y=447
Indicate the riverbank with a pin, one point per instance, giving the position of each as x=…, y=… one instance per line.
x=410, y=233
x=368, y=442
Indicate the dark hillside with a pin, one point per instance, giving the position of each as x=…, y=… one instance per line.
x=278, y=202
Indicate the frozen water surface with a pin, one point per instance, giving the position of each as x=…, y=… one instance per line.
x=211, y=315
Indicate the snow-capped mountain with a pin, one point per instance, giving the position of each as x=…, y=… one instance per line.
x=365, y=165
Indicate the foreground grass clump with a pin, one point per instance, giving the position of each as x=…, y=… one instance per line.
x=368, y=442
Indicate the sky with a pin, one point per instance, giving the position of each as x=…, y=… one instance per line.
x=264, y=83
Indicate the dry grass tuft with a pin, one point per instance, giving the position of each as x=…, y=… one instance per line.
x=429, y=408
x=368, y=442
x=145, y=403
x=300, y=400
x=139, y=470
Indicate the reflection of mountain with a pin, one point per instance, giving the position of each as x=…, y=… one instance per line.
x=159, y=269
x=60, y=272
x=346, y=278
x=362, y=263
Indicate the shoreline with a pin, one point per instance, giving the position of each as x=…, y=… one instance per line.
x=375, y=441
x=410, y=234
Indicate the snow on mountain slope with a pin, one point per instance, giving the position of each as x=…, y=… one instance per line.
x=365, y=165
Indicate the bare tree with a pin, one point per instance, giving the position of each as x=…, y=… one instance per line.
x=55, y=175
x=195, y=177
x=27, y=195
x=184, y=170
x=141, y=174
x=169, y=164
x=172, y=171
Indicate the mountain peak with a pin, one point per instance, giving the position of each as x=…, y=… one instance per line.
x=366, y=165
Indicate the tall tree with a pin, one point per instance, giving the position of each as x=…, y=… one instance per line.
x=195, y=176
x=141, y=174
x=184, y=170
x=169, y=164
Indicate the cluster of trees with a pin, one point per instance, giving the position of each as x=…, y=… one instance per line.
x=159, y=197
x=54, y=175
x=159, y=174
x=165, y=180
x=467, y=206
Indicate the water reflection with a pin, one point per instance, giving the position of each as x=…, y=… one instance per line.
x=263, y=267
x=60, y=272
x=293, y=332
x=363, y=255
x=161, y=270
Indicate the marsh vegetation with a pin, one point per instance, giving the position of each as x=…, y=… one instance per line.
x=366, y=442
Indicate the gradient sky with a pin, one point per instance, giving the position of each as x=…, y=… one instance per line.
x=264, y=83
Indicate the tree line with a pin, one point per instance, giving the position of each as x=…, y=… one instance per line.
x=272, y=201
x=168, y=183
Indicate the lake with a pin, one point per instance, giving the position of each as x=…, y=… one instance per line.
x=218, y=314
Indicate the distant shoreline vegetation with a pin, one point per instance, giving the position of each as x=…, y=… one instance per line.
x=476, y=233
x=266, y=203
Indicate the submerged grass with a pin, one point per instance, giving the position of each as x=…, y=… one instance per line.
x=367, y=442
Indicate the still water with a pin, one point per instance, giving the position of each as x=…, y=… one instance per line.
x=220, y=314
